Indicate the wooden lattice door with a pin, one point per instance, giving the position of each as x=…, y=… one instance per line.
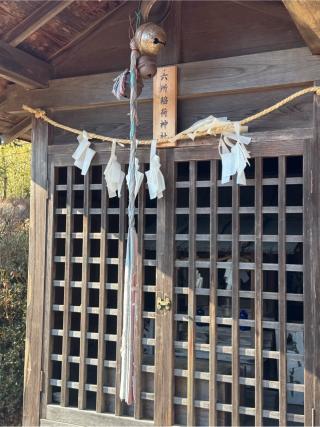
x=231, y=260
x=239, y=288
x=85, y=278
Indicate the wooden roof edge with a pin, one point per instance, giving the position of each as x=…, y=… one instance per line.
x=306, y=16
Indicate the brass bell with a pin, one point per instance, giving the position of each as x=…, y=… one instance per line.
x=147, y=66
x=150, y=38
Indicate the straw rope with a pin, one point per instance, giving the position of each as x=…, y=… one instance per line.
x=41, y=114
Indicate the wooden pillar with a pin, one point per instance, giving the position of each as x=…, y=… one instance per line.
x=312, y=271
x=36, y=274
x=164, y=357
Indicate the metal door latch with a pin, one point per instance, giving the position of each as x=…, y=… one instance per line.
x=163, y=304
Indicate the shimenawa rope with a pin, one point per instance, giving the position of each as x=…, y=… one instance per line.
x=41, y=114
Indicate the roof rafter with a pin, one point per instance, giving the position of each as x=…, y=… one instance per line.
x=22, y=68
x=17, y=130
x=306, y=16
x=36, y=20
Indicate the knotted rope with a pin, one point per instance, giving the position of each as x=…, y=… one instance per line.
x=133, y=128
x=130, y=284
x=41, y=114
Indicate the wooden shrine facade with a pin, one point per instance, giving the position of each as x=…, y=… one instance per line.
x=199, y=363
x=237, y=342
x=202, y=362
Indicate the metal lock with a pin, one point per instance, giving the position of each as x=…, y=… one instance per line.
x=163, y=304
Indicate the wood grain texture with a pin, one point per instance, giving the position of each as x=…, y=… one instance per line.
x=91, y=54
x=164, y=357
x=114, y=121
x=306, y=15
x=100, y=403
x=213, y=294
x=216, y=76
x=191, y=295
x=316, y=250
x=48, y=314
x=67, y=294
x=165, y=102
x=172, y=25
x=312, y=269
x=204, y=35
x=22, y=68
x=253, y=26
x=308, y=254
x=36, y=274
x=17, y=130
x=82, y=401
x=263, y=144
x=282, y=293
x=81, y=418
x=34, y=21
x=89, y=28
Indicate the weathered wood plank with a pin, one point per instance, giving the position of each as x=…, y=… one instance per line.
x=309, y=290
x=312, y=228
x=59, y=54
x=306, y=15
x=235, y=305
x=17, y=130
x=282, y=293
x=84, y=298
x=165, y=102
x=213, y=294
x=100, y=403
x=191, y=295
x=316, y=251
x=171, y=55
x=22, y=68
x=67, y=294
x=48, y=315
x=216, y=76
x=258, y=292
x=82, y=418
x=36, y=20
x=36, y=274
x=164, y=355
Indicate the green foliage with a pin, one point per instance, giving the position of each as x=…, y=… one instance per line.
x=15, y=170
x=13, y=290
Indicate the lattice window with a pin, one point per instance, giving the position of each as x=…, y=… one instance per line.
x=238, y=318
x=88, y=257
x=237, y=271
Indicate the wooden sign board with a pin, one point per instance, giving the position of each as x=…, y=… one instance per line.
x=165, y=102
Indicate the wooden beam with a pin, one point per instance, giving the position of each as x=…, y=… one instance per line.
x=17, y=130
x=36, y=274
x=22, y=68
x=36, y=20
x=306, y=16
x=213, y=77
